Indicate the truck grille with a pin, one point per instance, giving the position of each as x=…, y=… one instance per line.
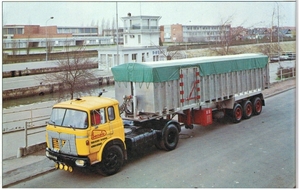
x=55, y=143
x=65, y=143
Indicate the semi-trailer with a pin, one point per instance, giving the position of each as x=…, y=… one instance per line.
x=153, y=101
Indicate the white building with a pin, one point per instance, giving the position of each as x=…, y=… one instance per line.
x=195, y=33
x=141, y=43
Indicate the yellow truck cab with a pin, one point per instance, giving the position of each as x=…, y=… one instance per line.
x=86, y=131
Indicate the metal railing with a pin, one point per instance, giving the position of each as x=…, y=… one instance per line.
x=16, y=120
x=285, y=73
x=31, y=121
x=28, y=125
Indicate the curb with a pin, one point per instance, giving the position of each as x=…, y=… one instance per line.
x=279, y=92
x=21, y=174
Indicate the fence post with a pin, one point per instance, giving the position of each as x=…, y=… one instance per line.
x=25, y=131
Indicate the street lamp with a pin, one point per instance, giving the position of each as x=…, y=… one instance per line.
x=47, y=38
x=278, y=36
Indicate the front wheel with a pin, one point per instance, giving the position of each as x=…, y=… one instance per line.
x=112, y=160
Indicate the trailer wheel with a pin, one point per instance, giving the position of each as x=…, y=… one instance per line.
x=170, y=137
x=237, y=113
x=257, y=106
x=112, y=161
x=247, y=109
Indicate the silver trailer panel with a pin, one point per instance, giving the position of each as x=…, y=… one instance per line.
x=192, y=90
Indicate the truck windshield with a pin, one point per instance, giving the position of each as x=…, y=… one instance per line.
x=68, y=118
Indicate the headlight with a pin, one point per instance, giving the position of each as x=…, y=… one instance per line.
x=80, y=163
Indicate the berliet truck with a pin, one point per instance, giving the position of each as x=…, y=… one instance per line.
x=153, y=101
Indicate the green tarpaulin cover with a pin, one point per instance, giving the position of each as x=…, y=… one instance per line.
x=163, y=71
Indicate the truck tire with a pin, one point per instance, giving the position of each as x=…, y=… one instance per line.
x=170, y=137
x=237, y=113
x=247, y=109
x=257, y=105
x=112, y=161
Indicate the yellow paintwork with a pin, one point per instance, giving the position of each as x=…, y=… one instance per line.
x=97, y=136
x=87, y=103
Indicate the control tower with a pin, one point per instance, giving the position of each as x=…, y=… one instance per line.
x=141, y=30
x=141, y=43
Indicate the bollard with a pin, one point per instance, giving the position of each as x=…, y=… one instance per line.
x=20, y=152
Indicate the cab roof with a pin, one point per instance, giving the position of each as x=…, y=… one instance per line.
x=87, y=103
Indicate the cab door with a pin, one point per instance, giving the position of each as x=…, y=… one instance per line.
x=100, y=129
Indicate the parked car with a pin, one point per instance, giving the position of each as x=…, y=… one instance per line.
x=284, y=58
x=291, y=55
x=274, y=58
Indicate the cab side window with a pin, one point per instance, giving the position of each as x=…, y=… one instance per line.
x=98, y=117
x=111, y=113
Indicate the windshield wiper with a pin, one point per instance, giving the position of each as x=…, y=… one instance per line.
x=72, y=127
x=52, y=122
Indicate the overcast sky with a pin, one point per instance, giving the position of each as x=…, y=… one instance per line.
x=79, y=13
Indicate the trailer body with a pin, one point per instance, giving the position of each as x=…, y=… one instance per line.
x=160, y=88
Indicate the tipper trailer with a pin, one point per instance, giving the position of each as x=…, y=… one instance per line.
x=157, y=99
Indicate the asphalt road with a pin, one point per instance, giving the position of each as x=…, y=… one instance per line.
x=259, y=153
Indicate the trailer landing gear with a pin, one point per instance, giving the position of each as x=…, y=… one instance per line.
x=189, y=126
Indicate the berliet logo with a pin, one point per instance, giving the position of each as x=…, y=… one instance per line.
x=97, y=134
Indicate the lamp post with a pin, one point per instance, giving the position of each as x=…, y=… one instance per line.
x=47, y=38
x=278, y=36
x=118, y=59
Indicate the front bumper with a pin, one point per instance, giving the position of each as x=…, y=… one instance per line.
x=81, y=161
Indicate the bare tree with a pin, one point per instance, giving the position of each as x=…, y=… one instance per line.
x=74, y=76
x=14, y=47
x=107, y=24
x=167, y=54
x=226, y=37
x=93, y=23
x=113, y=29
x=102, y=26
